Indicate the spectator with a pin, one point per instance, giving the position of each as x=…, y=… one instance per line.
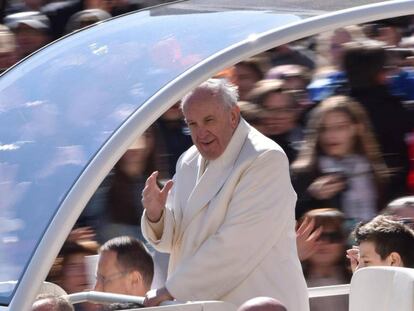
x=8, y=56
x=213, y=211
x=73, y=276
x=70, y=270
x=330, y=46
x=123, y=205
x=59, y=13
x=279, y=119
x=173, y=138
x=51, y=303
x=295, y=77
x=326, y=265
x=117, y=198
x=329, y=78
x=390, y=31
x=382, y=241
x=32, y=31
x=364, y=65
x=340, y=165
x=116, y=7
x=245, y=75
x=403, y=209
x=124, y=267
x=85, y=18
x=262, y=304
x=23, y=6
x=288, y=54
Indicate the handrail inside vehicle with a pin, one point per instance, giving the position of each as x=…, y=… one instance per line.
x=100, y=297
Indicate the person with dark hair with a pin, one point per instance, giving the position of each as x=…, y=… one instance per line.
x=70, y=269
x=326, y=264
x=280, y=114
x=32, y=31
x=73, y=276
x=115, y=209
x=383, y=241
x=124, y=267
x=245, y=75
x=51, y=303
x=173, y=138
x=365, y=68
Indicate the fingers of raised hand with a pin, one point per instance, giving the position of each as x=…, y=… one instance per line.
x=151, y=188
x=167, y=187
x=152, y=180
x=301, y=228
x=309, y=227
x=314, y=236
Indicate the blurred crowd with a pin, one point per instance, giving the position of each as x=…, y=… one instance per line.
x=340, y=104
x=27, y=25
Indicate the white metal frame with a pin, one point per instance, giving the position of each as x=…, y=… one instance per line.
x=160, y=102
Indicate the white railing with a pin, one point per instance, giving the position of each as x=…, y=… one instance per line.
x=100, y=297
x=326, y=291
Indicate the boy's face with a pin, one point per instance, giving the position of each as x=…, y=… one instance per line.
x=369, y=257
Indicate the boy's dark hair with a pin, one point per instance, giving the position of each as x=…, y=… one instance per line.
x=388, y=235
x=131, y=255
x=363, y=62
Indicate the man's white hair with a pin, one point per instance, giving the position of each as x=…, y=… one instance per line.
x=223, y=90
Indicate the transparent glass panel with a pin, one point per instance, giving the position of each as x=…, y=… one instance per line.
x=59, y=106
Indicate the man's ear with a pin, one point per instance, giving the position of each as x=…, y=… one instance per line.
x=136, y=277
x=394, y=260
x=235, y=115
x=137, y=283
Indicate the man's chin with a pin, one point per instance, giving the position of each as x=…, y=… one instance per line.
x=208, y=155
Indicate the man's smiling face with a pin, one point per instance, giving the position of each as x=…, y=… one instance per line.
x=211, y=123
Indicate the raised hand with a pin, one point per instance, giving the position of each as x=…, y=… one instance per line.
x=353, y=256
x=154, y=198
x=325, y=187
x=307, y=238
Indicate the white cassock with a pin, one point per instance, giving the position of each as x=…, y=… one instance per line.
x=230, y=226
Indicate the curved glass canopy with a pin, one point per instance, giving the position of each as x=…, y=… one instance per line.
x=59, y=106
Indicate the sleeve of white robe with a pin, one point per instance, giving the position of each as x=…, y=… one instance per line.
x=254, y=222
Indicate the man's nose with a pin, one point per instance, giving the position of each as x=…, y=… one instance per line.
x=202, y=132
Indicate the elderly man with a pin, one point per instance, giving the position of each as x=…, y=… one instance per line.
x=228, y=221
x=124, y=267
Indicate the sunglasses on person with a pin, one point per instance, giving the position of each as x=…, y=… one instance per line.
x=331, y=237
